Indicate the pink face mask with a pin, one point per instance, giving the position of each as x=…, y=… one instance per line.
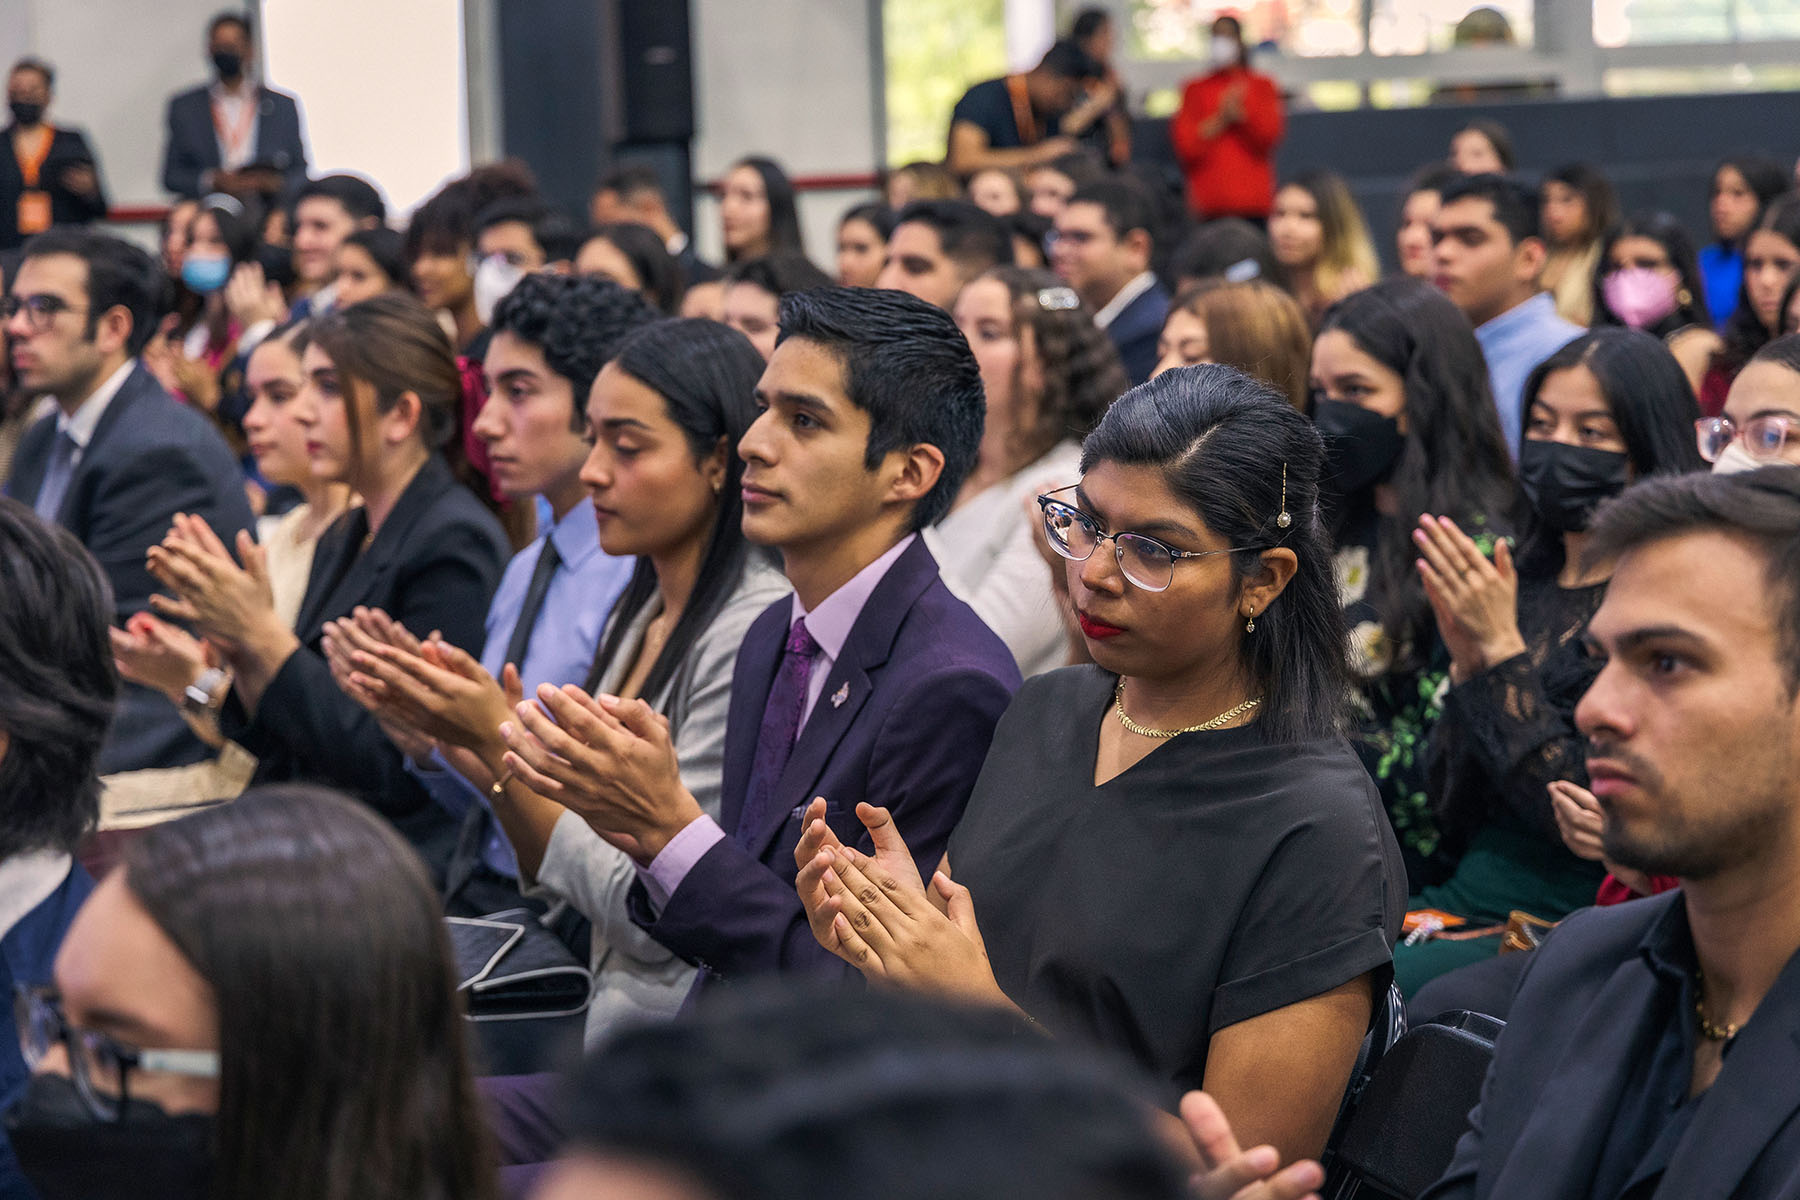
x=1639, y=296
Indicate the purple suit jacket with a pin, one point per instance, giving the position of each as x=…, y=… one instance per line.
x=924, y=682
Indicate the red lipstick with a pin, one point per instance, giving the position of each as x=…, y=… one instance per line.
x=1098, y=630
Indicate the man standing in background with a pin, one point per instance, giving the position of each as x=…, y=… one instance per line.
x=233, y=135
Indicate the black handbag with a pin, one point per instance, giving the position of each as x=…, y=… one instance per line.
x=510, y=968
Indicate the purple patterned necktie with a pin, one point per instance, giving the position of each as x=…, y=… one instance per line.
x=780, y=726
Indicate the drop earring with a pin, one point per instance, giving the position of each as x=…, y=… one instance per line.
x=1250, y=625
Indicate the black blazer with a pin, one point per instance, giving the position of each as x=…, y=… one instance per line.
x=904, y=720
x=191, y=146
x=1589, y=1007
x=150, y=458
x=67, y=149
x=1135, y=331
x=434, y=564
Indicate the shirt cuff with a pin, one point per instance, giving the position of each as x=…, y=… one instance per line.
x=668, y=869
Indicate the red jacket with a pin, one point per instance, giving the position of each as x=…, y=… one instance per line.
x=1232, y=174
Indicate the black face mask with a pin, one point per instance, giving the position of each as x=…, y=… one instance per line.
x=68, y=1155
x=228, y=63
x=27, y=112
x=1361, y=447
x=1566, y=483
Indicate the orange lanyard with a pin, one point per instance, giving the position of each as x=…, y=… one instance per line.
x=234, y=140
x=31, y=164
x=1023, y=117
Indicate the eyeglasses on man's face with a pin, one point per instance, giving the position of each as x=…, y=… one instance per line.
x=1146, y=562
x=40, y=309
x=99, y=1066
x=1764, y=437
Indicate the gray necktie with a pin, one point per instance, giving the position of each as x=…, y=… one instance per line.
x=57, y=471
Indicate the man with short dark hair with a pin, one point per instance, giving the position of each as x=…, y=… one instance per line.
x=939, y=245
x=1101, y=248
x=1019, y=120
x=57, y=688
x=1650, y=1049
x=120, y=456
x=1489, y=256
x=872, y=682
x=633, y=194
x=47, y=173
x=233, y=135
x=514, y=237
x=326, y=211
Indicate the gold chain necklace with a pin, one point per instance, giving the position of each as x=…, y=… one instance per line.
x=1204, y=726
x=1709, y=1031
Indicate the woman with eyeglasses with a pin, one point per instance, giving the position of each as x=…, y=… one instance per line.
x=1760, y=426
x=260, y=1001
x=1610, y=407
x=1049, y=372
x=1173, y=852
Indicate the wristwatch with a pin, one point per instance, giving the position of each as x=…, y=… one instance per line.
x=202, y=698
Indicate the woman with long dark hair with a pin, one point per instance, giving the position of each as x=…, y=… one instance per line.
x=1648, y=278
x=1578, y=208
x=862, y=240
x=757, y=213
x=632, y=256
x=1771, y=258
x=270, y=983
x=1742, y=187
x=378, y=402
x=1321, y=241
x=1173, y=851
x=1402, y=400
x=664, y=476
x=1610, y=407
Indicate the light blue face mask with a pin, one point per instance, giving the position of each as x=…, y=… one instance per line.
x=205, y=275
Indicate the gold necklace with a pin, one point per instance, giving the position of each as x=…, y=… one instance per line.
x=1204, y=726
x=1709, y=1031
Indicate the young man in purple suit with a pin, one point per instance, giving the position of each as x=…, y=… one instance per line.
x=871, y=682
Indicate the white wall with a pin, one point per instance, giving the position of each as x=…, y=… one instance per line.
x=381, y=83
x=791, y=79
x=117, y=62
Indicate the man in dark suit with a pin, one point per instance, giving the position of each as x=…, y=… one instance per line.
x=57, y=687
x=47, y=174
x=1651, y=1048
x=120, y=457
x=872, y=682
x=633, y=194
x=1102, y=248
x=233, y=135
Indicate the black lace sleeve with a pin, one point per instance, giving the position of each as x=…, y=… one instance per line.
x=1507, y=733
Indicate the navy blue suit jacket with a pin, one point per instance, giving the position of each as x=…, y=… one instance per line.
x=27, y=955
x=924, y=682
x=1588, y=1008
x=1135, y=331
x=150, y=458
x=191, y=145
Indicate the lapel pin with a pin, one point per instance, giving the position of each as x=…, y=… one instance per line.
x=838, y=697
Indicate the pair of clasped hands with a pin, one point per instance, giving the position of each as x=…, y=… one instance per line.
x=875, y=913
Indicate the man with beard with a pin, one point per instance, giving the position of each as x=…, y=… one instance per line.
x=1651, y=1049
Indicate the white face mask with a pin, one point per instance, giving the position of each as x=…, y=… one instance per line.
x=1735, y=458
x=1224, y=52
x=494, y=278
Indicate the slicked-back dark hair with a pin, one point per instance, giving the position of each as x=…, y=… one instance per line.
x=970, y=236
x=1515, y=205
x=1761, y=506
x=57, y=683
x=907, y=365
x=354, y=194
x=1651, y=403
x=341, y=1037
x=1221, y=440
x=577, y=321
x=749, y=1095
x=1453, y=462
x=706, y=374
x=118, y=275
